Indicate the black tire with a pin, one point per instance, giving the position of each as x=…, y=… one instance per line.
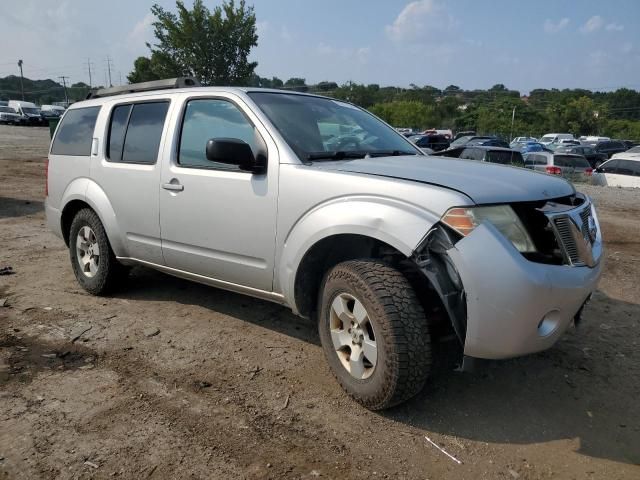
x=401, y=332
x=110, y=273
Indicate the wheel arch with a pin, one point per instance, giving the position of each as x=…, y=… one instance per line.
x=373, y=224
x=96, y=199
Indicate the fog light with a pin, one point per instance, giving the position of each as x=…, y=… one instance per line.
x=549, y=323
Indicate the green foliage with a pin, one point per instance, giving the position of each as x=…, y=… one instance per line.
x=142, y=71
x=405, y=113
x=41, y=92
x=212, y=46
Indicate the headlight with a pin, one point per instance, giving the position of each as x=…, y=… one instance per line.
x=465, y=219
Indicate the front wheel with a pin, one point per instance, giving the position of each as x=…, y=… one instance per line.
x=374, y=333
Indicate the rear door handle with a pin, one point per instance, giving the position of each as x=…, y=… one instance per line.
x=173, y=186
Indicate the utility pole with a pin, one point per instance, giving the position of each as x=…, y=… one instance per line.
x=89, y=67
x=513, y=117
x=120, y=74
x=109, y=62
x=64, y=82
x=21, y=79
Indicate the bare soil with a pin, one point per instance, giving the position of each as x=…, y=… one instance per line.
x=169, y=379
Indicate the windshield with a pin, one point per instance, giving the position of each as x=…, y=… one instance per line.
x=31, y=110
x=634, y=150
x=505, y=157
x=321, y=128
x=548, y=138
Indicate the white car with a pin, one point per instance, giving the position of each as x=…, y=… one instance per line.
x=633, y=153
x=555, y=138
x=619, y=172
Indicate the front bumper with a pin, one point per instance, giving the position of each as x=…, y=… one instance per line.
x=516, y=306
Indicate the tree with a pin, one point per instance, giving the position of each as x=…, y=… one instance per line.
x=142, y=71
x=406, y=114
x=212, y=46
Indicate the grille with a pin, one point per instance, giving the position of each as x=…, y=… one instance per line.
x=565, y=238
x=584, y=216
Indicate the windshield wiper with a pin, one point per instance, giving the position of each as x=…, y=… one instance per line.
x=344, y=154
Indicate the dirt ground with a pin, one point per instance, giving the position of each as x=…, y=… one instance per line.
x=169, y=379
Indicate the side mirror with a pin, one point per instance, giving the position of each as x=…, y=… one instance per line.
x=234, y=151
x=598, y=170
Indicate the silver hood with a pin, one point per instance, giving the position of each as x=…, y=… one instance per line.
x=482, y=182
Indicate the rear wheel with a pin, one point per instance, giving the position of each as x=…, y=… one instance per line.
x=93, y=261
x=374, y=333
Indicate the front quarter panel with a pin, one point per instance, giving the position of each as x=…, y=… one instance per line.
x=314, y=205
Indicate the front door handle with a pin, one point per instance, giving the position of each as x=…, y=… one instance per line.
x=173, y=186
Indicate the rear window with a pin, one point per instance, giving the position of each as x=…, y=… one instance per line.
x=536, y=160
x=566, y=161
x=505, y=158
x=75, y=132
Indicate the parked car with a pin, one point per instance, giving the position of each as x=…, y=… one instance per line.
x=491, y=142
x=575, y=168
x=503, y=156
x=435, y=143
x=51, y=111
x=466, y=133
x=632, y=153
x=594, y=158
x=519, y=141
x=9, y=116
x=610, y=147
x=29, y=112
x=383, y=246
x=630, y=143
x=533, y=147
x=619, y=172
x=461, y=141
x=555, y=138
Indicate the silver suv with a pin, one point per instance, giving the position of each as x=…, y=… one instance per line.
x=318, y=205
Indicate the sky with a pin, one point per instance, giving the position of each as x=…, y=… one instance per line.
x=591, y=44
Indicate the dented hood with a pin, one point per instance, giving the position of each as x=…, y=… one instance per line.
x=481, y=181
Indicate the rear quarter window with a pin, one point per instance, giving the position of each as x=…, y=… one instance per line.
x=75, y=132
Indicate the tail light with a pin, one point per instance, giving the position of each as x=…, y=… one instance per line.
x=553, y=170
x=588, y=172
x=46, y=177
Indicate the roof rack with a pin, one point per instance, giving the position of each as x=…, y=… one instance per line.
x=179, y=82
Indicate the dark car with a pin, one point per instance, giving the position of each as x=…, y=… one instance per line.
x=469, y=133
x=504, y=156
x=610, y=147
x=492, y=142
x=630, y=143
x=461, y=141
x=436, y=143
x=594, y=158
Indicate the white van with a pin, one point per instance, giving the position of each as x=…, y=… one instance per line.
x=29, y=112
x=555, y=138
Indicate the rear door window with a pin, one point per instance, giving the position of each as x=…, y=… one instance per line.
x=505, y=157
x=135, y=132
x=628, y=167
x=75, y=132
